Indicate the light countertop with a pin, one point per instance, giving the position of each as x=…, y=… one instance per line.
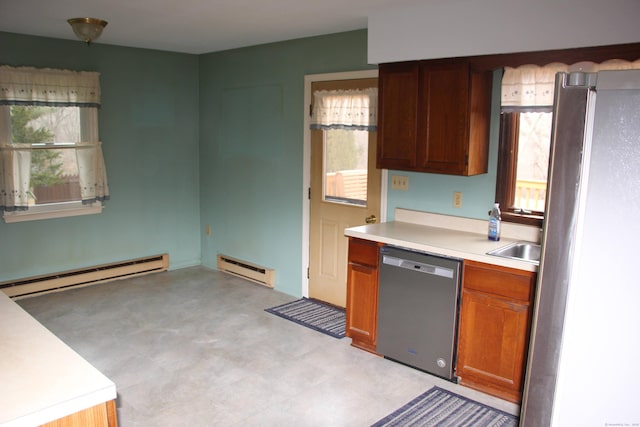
x=449, y=236
x=41, y=378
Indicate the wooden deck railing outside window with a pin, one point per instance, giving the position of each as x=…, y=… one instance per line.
x=530, y=195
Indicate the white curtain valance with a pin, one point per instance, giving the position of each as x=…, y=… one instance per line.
x=533, y=86
x=46, y=86
x=345, y=109
x=530, y=85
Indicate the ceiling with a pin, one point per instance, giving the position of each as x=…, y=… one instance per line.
x=192, y=26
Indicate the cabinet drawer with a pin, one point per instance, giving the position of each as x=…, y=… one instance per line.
x=363, y=252
x=502, y=281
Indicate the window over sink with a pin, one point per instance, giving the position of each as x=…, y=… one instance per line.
x=525, y=135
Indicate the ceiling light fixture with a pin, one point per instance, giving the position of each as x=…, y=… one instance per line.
x=87, y=29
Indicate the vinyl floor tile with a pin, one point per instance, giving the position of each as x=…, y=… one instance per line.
x=194, y=347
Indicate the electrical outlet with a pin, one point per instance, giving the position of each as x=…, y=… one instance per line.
x=457, y=199
x=207, y=230
x=399, y=182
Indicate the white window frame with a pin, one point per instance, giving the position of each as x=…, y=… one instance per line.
x=53, y=210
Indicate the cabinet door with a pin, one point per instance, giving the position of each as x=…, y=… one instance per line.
x=362, y=309
x=492, y=344
x=434, y=116
x=443, y=117
x=493, y=337
x=397, y=116
x=362, y=294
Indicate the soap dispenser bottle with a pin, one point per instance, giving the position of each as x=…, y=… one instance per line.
x=494, y=223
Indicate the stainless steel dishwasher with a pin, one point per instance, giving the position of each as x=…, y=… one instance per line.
x=418, y=309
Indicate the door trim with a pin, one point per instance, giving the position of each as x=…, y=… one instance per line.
x=306, y=163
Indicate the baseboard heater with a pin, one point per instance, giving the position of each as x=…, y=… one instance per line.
x=246, y=270
x=86, y=276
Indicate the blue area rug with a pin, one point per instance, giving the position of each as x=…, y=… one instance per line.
x=313, y=314
x=442, y=408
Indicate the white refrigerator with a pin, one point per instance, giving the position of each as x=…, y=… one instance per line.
x=584, y=356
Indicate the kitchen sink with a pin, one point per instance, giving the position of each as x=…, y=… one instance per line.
x=522, y=251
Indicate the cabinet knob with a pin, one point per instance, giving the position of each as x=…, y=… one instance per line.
x=371, y=219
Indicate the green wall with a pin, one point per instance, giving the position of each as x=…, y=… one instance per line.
x=149, y=129
x=251, y=147
x=191, y=141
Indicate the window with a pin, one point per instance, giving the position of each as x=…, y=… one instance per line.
x=345, y=118
x=525, y=136
x=50, y=158
x=345, y=176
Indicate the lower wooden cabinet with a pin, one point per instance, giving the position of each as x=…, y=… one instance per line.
x=102, y=415
x=362, y=294
x=495, y=320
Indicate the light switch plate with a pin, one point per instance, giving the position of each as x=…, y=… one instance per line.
x=399, y=182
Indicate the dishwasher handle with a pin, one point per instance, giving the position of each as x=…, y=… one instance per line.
x=418, y=267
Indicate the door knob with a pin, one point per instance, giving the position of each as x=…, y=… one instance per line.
x=371, y=219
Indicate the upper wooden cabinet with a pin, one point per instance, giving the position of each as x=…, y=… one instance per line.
x=434, y=117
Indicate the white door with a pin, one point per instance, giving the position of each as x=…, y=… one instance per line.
x=345, y=192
